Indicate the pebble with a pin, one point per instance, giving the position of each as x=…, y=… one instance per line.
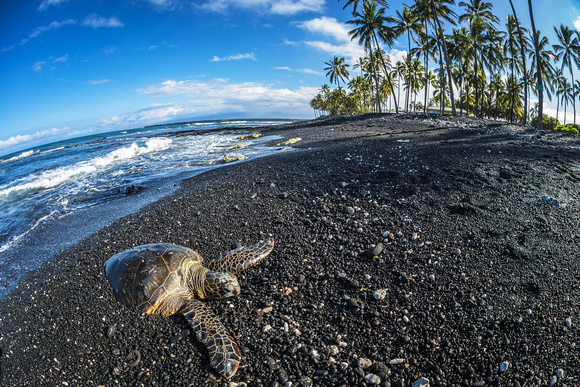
x=364, y=362
x=267, y=328
x=560, y=373
x=554, y=380
x=305, y=381
x=504, y=366
x=422, y=382
x=111, y=330
x=380, y=294
x=432, y=277
x=569, y=322
x=350, y=210
x=377, y=250
x=396, y=361
x=372, y=379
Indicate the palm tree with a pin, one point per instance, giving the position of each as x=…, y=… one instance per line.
x=480, y=17
x=441, y=38
x=567, y=96
x=407, y=23
x=559, y=84
x=523, y=52
x=540, y=85
x=371, y=26
x=354, y=4
x=567, y=51
x=336, y=70
x=428, y=43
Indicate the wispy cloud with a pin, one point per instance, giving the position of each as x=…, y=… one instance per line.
x=162, y=4
x=98, y=82
x=304, y=71
x=40, y=30
x=22, y=138
x=63, y=58
x=279, y=7
x=234, y=57
x=38, y=65
x=47, y=3
x=96, y=21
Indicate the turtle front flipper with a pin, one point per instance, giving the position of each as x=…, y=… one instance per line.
x=224, y=353
x=242, y=258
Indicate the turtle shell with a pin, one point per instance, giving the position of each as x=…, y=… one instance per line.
x=145, y=275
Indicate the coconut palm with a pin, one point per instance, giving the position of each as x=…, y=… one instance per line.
x=442, y=42
x=540, y=85
x=427, y=43
x=407, y=23
x=523, y=53
x=371, y=25
x=336, y=70
x=567, y=51
x=354, y=4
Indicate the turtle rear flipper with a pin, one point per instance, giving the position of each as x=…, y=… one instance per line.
x=242, y=258
x=224, y=353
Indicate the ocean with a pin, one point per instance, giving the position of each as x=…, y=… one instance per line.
x=54, y=195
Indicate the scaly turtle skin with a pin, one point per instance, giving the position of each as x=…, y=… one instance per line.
x=166, y=279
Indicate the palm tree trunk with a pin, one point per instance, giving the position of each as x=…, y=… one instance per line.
x=453, y=112
x=540, y=85
x=521, y=39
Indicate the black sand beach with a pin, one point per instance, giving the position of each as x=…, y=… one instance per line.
x=408, y=247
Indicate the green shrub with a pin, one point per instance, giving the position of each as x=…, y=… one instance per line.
x=570, y=128
x=547, y=122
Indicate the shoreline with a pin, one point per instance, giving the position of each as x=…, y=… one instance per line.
x=480, y=274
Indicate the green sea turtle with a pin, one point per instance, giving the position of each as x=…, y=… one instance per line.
x=166, y=279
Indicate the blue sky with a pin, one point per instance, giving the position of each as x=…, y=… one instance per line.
x=75, y=67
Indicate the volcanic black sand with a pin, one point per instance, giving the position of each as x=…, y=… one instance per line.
x=426, y=247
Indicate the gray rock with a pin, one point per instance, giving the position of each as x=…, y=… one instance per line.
x=422, y=382
x=372, y=379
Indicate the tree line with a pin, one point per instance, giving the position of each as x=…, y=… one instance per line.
x=494, y=68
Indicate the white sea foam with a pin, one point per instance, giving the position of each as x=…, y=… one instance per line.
x=20, y=156
x=55, y=177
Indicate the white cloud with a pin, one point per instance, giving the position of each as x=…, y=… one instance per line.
x=279, y=7
x=291, y=43
x=47, y=3
x=162, y=3
x=22, y=138
x=98, y=82
x=283, y=68
x=234, y=57
x=577, y=23
x=96, y=21
x=337, y=31
x=220, y=96
x=153, y=114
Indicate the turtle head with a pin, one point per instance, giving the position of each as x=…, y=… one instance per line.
x=218, y=285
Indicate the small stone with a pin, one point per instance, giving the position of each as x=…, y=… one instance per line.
x=432, y=277
x=380, y=294
x=267, y=328
x=376, y=251
x=560, y=373
x=111, y=330
x=372, y=379
x=364, y=362
x=554, y=380
x=267, y=309
x=422, y=382
x=305, y=381
x=283, y=195
x=334, y=350
x=396, y=361
x=342, y=344
x=569, y=322
x=359, y=230
x=350, y=210
x=504, y=366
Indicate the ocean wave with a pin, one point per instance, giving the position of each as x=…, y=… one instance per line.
x=20, y=156
x=53, y=178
